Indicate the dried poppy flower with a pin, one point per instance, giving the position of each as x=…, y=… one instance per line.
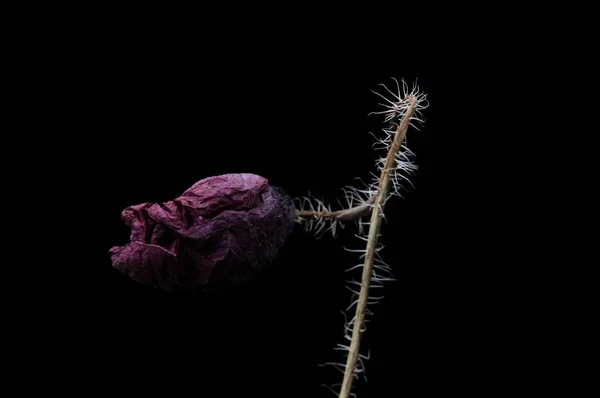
x=224, y=229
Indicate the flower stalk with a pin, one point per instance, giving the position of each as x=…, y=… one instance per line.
x=372, y=241
x=315, y=216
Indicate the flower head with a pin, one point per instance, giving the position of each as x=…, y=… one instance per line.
x=224, y=229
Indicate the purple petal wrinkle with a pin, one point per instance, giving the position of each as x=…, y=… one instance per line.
x=224, y=229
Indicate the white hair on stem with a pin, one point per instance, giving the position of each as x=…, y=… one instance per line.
x=365, y=205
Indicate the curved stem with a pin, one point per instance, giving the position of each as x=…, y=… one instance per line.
x=375, y=226
x=343, y=215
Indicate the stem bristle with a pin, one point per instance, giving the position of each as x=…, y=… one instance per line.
x=400, y=111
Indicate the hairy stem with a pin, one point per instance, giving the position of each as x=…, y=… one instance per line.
x=343, y=215
x=375, y=226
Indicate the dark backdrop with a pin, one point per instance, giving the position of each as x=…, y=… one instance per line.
x=160, y=120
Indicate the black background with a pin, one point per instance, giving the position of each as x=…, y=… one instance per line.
x=159, y=120
x=123, y=107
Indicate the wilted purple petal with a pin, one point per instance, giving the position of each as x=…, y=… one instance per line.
x=223, y=229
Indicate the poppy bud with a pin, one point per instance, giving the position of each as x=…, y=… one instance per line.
x=223, y=230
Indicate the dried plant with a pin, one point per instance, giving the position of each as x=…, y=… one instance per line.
x=365, y=206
